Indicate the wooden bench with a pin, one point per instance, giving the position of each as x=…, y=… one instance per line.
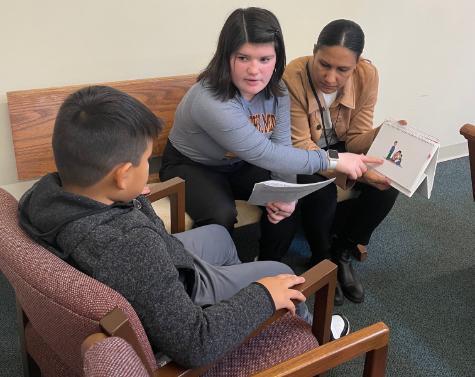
x=33, y=112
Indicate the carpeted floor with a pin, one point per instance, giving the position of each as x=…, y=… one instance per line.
x=10, y=361
x=419, y=280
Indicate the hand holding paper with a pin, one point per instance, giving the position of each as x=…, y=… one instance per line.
x=277, y=211
x=410, y=157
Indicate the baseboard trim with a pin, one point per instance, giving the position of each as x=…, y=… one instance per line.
x=450, y=152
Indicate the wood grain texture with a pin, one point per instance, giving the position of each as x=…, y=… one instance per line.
x=33, y=112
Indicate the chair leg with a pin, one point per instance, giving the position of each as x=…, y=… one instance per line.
x=323, y=309
x=26, y=361
x=375, y=363
x=33, y=370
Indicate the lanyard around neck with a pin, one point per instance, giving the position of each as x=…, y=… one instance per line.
x=320, y=107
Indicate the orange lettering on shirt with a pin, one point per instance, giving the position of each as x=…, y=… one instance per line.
x=264, y=123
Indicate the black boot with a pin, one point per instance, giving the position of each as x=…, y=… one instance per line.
x=350, y=284
x=338, y=300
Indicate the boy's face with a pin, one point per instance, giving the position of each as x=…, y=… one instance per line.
x=139, y=175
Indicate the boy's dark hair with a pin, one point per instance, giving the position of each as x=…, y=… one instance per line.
x=96, y=129
x=345, y=33
x=249, y=25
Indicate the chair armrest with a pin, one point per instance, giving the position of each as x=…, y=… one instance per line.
x=317, y=277
x=175, y=189
x=319, y=280
x=91, y=340
x=372, y=340
x=468, y=131
x=116, y=323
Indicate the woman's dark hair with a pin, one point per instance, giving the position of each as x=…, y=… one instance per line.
x=250, y=25
x=343, y=33
x=96, y=129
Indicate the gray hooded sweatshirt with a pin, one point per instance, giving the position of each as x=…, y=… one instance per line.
x=126, y=247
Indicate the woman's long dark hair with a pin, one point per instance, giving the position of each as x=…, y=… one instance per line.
x=249, y=25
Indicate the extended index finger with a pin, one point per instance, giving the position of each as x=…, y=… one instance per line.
x=372, y=160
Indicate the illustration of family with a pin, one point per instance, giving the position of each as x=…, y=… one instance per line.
x=395, y=157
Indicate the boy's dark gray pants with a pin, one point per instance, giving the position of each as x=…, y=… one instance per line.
x=221, y=273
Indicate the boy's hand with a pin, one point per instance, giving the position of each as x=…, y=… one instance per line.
x=277, y=211
x=279, y=288
x=354, y=165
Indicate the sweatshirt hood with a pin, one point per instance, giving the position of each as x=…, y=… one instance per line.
x=46, y=208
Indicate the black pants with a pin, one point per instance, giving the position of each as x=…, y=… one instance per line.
x=352, y=221
x=210, y=194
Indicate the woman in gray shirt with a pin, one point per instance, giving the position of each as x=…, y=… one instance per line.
x=232, y=130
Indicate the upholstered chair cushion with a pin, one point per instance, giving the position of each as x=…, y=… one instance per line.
x=288, y=337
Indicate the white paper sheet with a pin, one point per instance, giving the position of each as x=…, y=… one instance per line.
x=278, y=191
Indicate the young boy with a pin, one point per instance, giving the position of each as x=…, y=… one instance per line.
x=194, y=297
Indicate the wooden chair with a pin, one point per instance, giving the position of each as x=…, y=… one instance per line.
x=61, y=307
x=113, y=356
x=468, y=131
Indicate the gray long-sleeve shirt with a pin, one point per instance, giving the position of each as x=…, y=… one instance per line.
x=218, y=133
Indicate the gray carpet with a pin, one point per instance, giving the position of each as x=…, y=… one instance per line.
x=419, y=280
x=10, y=361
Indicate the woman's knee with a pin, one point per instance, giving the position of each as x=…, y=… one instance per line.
x=225, y=217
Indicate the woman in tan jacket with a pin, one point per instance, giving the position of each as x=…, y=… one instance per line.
x=333, y=94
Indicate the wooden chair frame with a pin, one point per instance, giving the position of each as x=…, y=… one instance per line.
x=468, y=131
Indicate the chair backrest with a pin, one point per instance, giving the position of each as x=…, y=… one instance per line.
x=33, y=112
x=62, y=304
x=113, y=357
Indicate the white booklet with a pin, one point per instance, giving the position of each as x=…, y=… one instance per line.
x=278, y=191
x=410, y=158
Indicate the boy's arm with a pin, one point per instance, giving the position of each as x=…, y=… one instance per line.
x=189, y=334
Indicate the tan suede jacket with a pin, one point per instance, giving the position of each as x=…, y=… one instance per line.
x=351, y=112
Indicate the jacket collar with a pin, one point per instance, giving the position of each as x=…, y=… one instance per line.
x=347, y=93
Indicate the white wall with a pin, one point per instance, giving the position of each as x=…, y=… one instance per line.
x=423, y=49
